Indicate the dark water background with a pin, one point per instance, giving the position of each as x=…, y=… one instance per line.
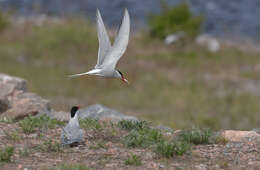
x=223, y=17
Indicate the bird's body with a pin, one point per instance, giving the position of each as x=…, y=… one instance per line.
x=108, y=55
x=72, y=133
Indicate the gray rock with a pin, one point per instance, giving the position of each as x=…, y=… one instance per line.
x=16, y=82
x=24, y=104
x=60, y=115
x=101, y=112
x=16, y=102
x=8, y=87
x=165, y=128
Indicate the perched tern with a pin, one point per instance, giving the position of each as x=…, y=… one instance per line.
x=72, y=133
x=108, y=55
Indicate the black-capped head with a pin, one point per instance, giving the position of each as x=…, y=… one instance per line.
x=122, y=77
x=73, y=111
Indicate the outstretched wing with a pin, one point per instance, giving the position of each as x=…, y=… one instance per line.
x=119, y=45
x=103, y=38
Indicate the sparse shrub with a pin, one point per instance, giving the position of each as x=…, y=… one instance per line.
x=169, y=149
x=6, y=154
x=196, y=136
x=133, y=160
x=174, y=19
x=132, y=124
x=31, y=123
x=28, y=125
x=143, y=137
x=90, y=124
x=134, y=139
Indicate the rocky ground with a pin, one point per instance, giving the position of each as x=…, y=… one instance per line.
x=112, y=140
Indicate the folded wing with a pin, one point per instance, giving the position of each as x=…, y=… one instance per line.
x=119, y=45
x=103, y=38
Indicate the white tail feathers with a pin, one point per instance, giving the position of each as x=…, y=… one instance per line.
x=91, y=72
x=77, y=75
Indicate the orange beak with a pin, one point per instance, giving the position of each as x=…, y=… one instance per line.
x=124, y=80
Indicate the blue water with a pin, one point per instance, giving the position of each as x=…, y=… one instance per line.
x=223, y=17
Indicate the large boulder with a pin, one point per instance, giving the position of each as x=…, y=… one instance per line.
x=16, y=102
x=101, y=112
x=15, y=83
x=25, y=104
x=237, y=136
x=8, y=87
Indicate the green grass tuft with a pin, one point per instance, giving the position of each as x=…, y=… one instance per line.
x=132, y=124
x=142, y=138
x=169, y=149
x=90, y=124
x=133, y=160
x=6, y=154
x=31, y=123
x=196, y=136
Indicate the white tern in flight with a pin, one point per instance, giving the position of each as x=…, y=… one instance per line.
x=108, y=55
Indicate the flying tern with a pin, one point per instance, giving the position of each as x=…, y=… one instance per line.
x=72, y=133
x=108, y=55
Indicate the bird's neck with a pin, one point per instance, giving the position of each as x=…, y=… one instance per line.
x=74, y=120
x=117, y=74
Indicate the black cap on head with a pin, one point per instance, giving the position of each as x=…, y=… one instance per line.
x=73, y=111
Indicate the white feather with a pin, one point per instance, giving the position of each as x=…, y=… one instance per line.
x=119, y=45
x=103, y=38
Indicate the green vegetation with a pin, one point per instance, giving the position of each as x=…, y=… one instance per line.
x=173, y=20
x=196, y=136
x=71, y=167
x=31, y=123
x=6, y=154
x=90, y=124
x=143, y=137
x=132, y=124
x=133, y=160
x=169, y=149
